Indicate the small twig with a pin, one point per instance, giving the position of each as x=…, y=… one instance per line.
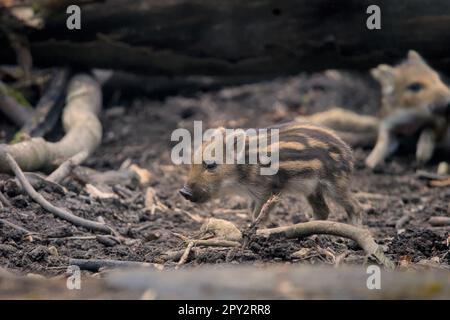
x=372, y=196
x=194, y=217
x=440, y=183
x=216, y=243
x=75, y=238
x=58, y=212
x=439, y=221
x=15, y=226
x=208, y=242
x=422, y=174
x=265, y=210
x=67, y=166
x=402, y=221
x=361, y=236
x=4, y=201
x=185, y=255
x=96, y=264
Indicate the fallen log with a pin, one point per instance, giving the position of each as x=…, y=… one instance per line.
x=83, y=129
x=225, y=37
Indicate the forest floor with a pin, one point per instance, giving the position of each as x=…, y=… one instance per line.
x=139, y=132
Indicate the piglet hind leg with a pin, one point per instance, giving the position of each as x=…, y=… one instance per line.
x=352, y=207
x=386, y=145
x=318, y=205
x=425, y=146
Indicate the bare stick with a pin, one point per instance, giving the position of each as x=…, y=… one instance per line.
x=15, y=226
x=361, y=236
x=422, y=174
x=59, y=212
x=67, y=166
x=402, y=221
x=185, y=255
x=216, y=243
x=48, y=108
x=208, y=242
x=265, y=210
x=439, y=221
x=4, y=201
x=440, y=183
x=96, y=264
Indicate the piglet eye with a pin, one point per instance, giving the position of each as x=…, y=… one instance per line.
x=210, y=165
x=415, y=87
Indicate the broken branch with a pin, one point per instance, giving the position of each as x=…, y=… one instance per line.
x=15, y=226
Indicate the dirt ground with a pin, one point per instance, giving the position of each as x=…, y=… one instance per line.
x=138, y=131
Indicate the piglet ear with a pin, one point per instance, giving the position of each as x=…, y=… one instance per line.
x=414, y=56
x=384, y=74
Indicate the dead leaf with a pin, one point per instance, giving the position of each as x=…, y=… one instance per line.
x=144, y=175
x=222, y=229
x=94, y=192
x=405, y=262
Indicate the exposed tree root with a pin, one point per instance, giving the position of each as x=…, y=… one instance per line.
x=58, y=212
x=4, y=201
x=16, y=112
x=361, y=236
x=209, y=242
x=440, y=183
x=83, y=129
x=16, y=227
x=66, y=167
